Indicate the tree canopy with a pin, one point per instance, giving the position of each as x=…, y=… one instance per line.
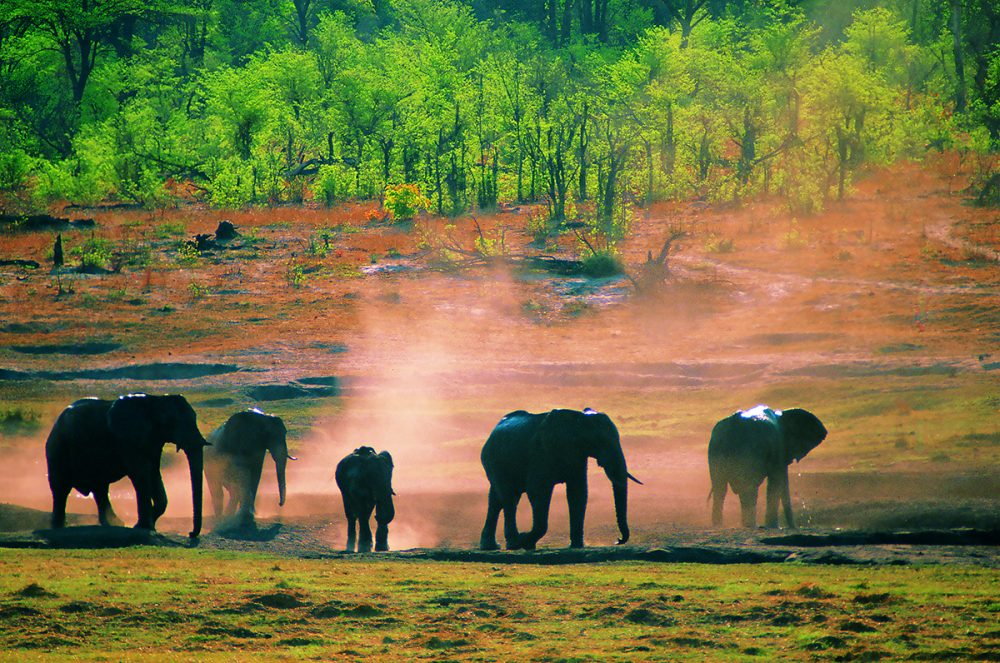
x=578, y=104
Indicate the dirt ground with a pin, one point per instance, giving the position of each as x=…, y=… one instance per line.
x=881, y=315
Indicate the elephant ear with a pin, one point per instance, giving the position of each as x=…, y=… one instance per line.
x=131, y=418
x=802, y=431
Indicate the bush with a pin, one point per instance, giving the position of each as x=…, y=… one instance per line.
x=602, y=264
x=19, y=421
x=95, y=254
x=404, y=201
x=14, y=167
x=232, y=185
x=332, y=183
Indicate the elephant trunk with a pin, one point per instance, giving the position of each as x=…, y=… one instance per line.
x=196, y=463
x=280, y=461
x=620, y=489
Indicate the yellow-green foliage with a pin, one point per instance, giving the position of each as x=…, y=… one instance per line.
x=404, y=201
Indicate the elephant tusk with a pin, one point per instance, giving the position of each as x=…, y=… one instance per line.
x=629, y=475
x=291, y=457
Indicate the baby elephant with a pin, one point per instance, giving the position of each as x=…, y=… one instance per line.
x=365, y=482
x=751, y=445
x=235, y=459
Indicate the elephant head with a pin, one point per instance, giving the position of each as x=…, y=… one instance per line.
x=802, y=432
x=152, y=421
x=592, y=434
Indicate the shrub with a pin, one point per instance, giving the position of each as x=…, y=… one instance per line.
x=404, y=201
x=295, y=275
x=716, y=244
x=19, y=421
x=232, y=185
x=95, y=254
x=601, y=264
x=332, y=183
x=14, y=167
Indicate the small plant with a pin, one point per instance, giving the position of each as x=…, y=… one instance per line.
x=716, y=244
x=187, y=254
x=116, y=295
x=345, y=271
x=319, y=244
x=794, y=239
x=404, y=201
x=95, y=254
x=493, y=244
x=295, y=275
x=393, y=252
x=540, y=229
x=197, y=291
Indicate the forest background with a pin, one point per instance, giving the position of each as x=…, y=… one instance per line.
x=588, y=107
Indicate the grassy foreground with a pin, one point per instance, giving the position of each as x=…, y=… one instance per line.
x=166, y=604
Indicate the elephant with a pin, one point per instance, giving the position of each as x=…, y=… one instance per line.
x=235, y=458
x=365, y=481
x=531, y=453
x=96, y=442
x=751, y=445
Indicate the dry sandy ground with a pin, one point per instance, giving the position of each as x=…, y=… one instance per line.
x=427, y=348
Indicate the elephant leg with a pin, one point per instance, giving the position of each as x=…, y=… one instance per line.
x=719, y=488
x=105, y=513
x=364, y=525
x=248, y=494
x=786, y=500
x=60, y=494
x=352, y=522
x=215, y=491
x=488, y=539
x=774, y=490
x=512, y=538
x=540, y=500
x=159, y=495
x=576, y=498
x=748, y=507
x=144, y=502
x=384, y=513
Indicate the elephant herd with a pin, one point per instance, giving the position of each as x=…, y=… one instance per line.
x=95, y=442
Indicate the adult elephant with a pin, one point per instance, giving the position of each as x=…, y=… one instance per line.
x=365, y=482
x=752, y=445
x=96, y=442
x=531, y=453
x=235, y=458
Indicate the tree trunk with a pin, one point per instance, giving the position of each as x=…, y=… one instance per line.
x=586, y=16
x=567, y=22
x=956, y=40
x=302, y=21
x=582, y=156
x=669, y=154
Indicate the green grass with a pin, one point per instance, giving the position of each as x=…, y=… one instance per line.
x=170, y=604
